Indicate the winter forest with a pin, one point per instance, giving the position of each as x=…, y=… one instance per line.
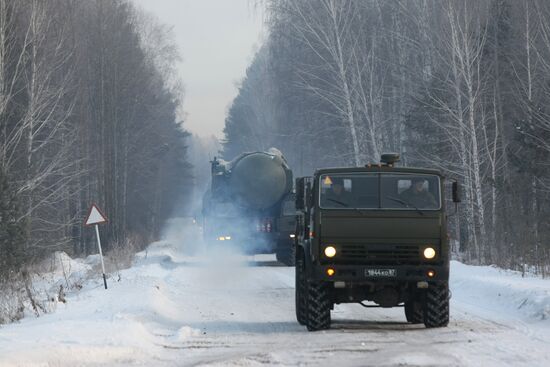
x=461, y=86
x=88, y=109
x=90, y=105
x=217, y=250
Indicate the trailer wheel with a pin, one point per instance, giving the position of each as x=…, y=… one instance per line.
x=436, y=305
x=318, y=306
x=414, y=312
x=301, y=289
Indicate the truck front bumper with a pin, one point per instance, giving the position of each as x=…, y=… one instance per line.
x=380, y=273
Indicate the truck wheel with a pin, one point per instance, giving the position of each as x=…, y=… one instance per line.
x=301, y=290
x=436, y=305
x=413, y=312
x=318, y=306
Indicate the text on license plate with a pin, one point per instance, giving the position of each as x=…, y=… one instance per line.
x=380, y=272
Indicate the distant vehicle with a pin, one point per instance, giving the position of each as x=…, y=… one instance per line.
x=249, y=205
x=376, y=233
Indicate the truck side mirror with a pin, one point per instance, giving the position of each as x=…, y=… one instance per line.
x=456, y=192
x=299, y=202
x=309, y=196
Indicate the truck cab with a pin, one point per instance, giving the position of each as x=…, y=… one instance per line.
x=376, y=233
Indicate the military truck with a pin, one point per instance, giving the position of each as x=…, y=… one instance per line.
x=247, y=205
x=376, y=233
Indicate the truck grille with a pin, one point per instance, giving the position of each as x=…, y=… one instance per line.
x=379, y=254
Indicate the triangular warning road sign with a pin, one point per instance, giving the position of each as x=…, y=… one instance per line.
x=95, y=216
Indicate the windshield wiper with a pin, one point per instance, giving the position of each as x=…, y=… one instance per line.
x=346, y=205
x=338, y=202
x=406, y=203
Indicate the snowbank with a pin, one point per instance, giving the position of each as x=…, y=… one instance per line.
x=59, y=269
x=501, y=293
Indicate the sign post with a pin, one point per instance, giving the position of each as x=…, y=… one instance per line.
x=96, y=217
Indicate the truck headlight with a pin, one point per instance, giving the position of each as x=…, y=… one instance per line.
x=429, y=253
x=330, y=251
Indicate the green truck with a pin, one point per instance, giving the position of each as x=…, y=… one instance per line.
x=376, y=233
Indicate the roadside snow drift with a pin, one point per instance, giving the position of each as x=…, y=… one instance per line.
x=502, y=291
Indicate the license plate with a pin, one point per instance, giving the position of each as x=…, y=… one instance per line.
x=380, y=272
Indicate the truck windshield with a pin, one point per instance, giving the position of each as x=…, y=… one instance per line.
x=400, y=191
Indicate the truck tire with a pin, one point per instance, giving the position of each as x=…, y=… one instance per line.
x=436, y=305
x=414, y=312
x=318, y=306
x=301, y=290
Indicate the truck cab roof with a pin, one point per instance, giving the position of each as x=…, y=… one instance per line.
x=376, y=168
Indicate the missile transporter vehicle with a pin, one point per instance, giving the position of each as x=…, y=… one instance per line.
x=250, y=205
x=376, y=233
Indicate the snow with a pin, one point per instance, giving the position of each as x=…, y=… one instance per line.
x=504, y=291
x=171, y=309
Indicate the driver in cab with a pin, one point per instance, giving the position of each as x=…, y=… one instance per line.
x=418, y=195
x=336, y=196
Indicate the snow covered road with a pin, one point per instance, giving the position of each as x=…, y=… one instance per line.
x=173, y=310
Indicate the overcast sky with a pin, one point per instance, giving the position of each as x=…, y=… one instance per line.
x=217, y=39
